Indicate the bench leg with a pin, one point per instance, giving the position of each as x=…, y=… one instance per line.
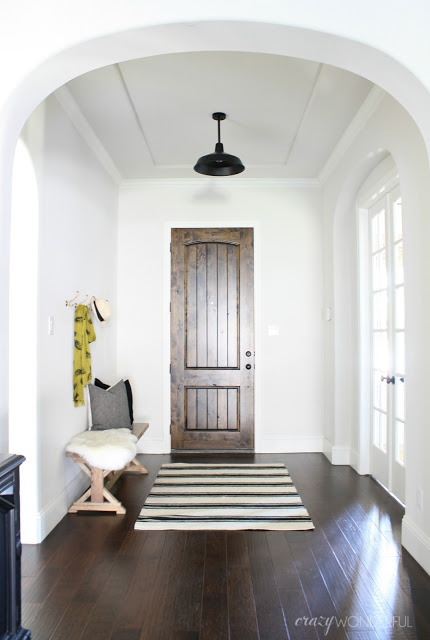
x=96, y=484
x=100, y=498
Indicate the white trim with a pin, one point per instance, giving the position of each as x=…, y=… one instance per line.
x=337, y=454
x=154, y=445
x=35, y=528
x=134, y=110
x=305, y=111
x=291, y=444
x=373, y=190
x=416, y=542
x=363, y=462
x=279, y=183
x=87, y=133
x=353, y=461
x=361, y=118
x=195, y=224
x=30, y=528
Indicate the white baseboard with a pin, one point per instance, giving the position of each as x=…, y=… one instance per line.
x=153, y=445
x=353, y=459
x=337, y=454
x=35, y=527
x=416, y=542
x=359, y=465
x=267, y=444
x=290, y=444
x=30, y=528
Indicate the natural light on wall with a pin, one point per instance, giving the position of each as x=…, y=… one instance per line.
x=23, y=335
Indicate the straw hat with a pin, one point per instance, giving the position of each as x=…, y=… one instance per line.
x=101, y=309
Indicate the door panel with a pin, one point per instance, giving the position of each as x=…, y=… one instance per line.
x=212, y=408
x=212, y=331
x=211, y=305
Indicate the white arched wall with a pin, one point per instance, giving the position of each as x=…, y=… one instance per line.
x=74, y=46
x=23, y=431
x=306, y=34
x=72, y=246
x=343, y=444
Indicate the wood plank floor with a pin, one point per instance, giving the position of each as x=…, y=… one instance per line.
x=95, y=578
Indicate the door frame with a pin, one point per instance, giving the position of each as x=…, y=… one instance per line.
x=191, y=224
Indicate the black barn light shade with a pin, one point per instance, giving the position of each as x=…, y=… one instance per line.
x=219, y=163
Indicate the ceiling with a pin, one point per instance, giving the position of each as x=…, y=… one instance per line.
x=153, y=116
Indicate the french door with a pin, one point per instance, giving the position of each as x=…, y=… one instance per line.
x=387, y=325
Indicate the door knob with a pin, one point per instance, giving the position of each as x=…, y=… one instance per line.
x=248, y=354
x=388, y=379
x=248, y=366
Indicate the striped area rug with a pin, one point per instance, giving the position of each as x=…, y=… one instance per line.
x=223, y=497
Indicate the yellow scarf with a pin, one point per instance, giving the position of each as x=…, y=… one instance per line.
x=84, y=334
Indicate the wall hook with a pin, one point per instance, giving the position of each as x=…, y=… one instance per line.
x=69, y=302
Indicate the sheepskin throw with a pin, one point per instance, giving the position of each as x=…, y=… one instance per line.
x=109, y=449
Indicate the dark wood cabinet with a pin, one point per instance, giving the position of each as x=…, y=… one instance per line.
x=10, y=550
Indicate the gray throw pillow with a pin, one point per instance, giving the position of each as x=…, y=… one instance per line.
x=109, y=407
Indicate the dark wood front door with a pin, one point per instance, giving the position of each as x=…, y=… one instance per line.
x=212, y=339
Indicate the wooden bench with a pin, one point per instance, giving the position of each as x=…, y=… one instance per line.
x=98, y=497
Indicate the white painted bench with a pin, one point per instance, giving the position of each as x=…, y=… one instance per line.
x=98, y=497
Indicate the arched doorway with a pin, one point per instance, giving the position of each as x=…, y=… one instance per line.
x=176, y=36
x=160, y=39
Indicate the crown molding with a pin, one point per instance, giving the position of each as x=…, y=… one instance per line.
x=361, y=118
x=282, y=183
x=83, y=127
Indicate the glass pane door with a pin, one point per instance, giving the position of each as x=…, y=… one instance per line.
x=387, y=323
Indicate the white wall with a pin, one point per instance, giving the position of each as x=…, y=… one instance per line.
x=390, y=130
x=77, y=251
x=289, y=390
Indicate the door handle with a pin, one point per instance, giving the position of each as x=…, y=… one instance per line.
x=388, y=379
x=248, y=366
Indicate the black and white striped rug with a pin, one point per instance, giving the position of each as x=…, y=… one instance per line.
x=223, y=497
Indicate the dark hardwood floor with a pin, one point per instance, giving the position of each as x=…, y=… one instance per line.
x=95, y=578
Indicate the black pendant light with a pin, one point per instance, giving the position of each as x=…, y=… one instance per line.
x=219, y=163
